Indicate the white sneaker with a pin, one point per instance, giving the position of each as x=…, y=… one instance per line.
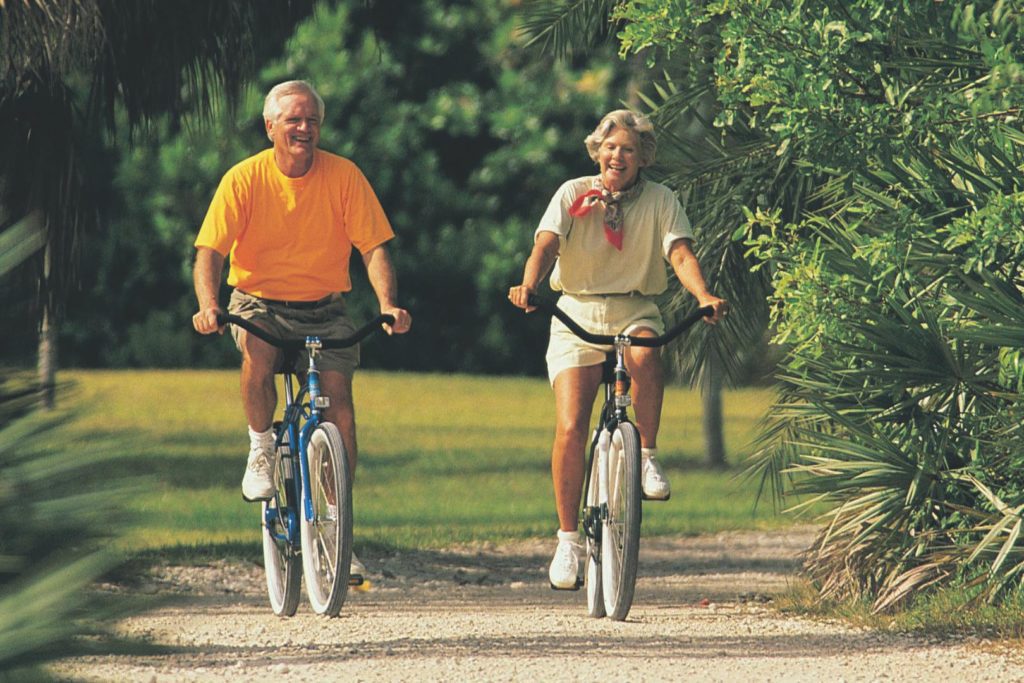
x=356, y=569
x=655, y=485
x=564, y=572
x=258, y=482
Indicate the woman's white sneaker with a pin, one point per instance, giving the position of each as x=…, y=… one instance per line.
x=564, y=572
x=655, y=485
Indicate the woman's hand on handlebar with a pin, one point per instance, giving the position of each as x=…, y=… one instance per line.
x=520, y=296
x=205, y=321
x=720, y=306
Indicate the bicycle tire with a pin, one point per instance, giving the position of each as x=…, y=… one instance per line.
x=620, y=533
x=327, y=538
x=592, y=526
x=281, y=561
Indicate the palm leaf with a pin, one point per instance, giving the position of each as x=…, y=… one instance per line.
x=566, y=27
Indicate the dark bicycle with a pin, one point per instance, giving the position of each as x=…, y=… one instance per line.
x=611, y=510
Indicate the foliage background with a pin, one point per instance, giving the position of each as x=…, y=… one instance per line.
x=463, y=136
x=871, y=153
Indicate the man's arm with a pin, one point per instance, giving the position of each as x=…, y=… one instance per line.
x=206, y=274
x=687, y=269
x=385, y=285
x=539, y=264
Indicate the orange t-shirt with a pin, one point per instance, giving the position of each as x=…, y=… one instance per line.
x=292, y=238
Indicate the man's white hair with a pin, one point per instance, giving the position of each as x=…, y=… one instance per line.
x=272, y=103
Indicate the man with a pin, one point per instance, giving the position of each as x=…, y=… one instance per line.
x=289, y=217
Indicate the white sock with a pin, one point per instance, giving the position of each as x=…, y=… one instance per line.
x=571, y=536
x=646, y=453
x=261, y=438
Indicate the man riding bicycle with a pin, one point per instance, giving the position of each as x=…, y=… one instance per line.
x=288, y=217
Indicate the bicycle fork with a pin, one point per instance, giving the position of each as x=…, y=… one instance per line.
x=616, y=401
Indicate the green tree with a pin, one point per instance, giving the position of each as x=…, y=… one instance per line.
x=894, y=261
x=463, y=136
x=67, y=68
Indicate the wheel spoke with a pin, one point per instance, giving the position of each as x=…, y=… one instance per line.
x=281, y=563
x=326, y=538
x=621, y=538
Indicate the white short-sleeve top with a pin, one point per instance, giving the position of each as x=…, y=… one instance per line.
x=588, y=264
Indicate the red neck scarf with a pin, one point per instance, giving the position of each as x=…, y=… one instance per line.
x=614, y=206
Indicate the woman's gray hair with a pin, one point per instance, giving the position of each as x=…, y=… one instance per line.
x=272, y=103
x=640, y=126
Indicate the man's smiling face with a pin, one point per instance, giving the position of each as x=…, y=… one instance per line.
x=296, y=132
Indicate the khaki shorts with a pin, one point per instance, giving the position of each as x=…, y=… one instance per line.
x=327, y=322
x=600, y=315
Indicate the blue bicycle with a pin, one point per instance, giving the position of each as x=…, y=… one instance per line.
x=308, y=522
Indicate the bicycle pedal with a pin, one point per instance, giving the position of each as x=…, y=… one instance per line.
x=364, y=586
x=356, y=580
x=576, y=587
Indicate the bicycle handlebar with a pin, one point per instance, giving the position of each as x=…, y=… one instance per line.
x=289, y=344
x=683, y=325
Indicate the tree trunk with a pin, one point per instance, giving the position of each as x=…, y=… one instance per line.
x=711, y=396
x=47, y=367
x=47, y=353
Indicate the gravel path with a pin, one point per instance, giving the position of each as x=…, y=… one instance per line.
x=487, y=614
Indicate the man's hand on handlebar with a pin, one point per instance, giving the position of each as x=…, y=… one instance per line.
x=205, y=321
x=403, y=321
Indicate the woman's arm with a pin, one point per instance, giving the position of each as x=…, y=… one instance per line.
x=687, y=269
x=539, y=264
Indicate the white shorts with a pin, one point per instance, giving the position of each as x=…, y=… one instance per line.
x=609, y=314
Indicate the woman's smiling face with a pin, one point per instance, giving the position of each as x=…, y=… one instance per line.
x=619, y=159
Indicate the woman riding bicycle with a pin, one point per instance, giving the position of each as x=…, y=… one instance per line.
x=605, y=236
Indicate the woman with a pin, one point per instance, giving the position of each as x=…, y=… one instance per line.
x=606, y=237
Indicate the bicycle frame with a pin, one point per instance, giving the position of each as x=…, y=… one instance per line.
x=302, y=413
x=308, y=414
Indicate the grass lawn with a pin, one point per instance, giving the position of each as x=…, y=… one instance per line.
x=443, y=458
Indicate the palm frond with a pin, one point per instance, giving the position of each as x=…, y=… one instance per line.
x=60, y=520
x=566, y=27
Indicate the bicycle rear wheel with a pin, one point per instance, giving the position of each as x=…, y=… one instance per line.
x=620, y=539
x=327, y=538
x=592, y=527
x=281, y=560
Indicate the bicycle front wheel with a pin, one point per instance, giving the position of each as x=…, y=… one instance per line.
x=327, y=538
x=592, y=528
x=620, y=540
x=281, y=560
